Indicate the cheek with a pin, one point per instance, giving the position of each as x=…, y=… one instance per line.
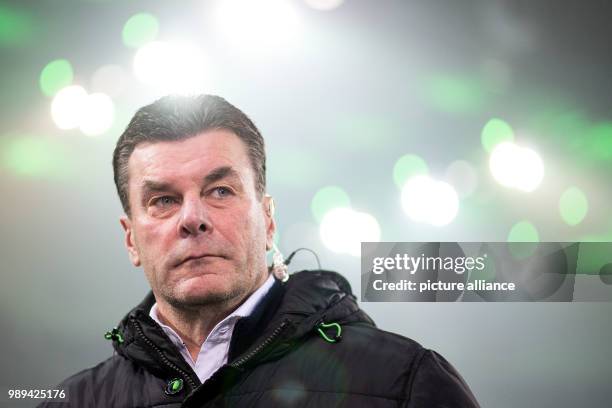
x=244, y=228
x=153, y=241
x=258, y=231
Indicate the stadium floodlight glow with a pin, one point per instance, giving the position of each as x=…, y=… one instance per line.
x=516, y=167
x=257, y=26
x=170, y=67
x=98, y=114
x=324, y=5
x=343, y=229
x=429, y=201
x=67, y=107
x=73, y=108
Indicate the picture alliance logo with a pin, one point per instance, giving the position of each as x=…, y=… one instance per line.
x=412, y=264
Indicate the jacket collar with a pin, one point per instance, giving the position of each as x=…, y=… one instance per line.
x=305, y=300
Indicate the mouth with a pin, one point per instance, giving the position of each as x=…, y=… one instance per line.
x=198, y=258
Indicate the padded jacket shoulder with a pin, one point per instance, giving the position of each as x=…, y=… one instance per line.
x=278, y=358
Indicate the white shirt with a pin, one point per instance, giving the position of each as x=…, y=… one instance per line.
x=214, y=351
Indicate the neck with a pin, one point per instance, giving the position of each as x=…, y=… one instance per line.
x=194, y=325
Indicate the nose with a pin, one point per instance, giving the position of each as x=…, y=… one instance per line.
x=194, y=218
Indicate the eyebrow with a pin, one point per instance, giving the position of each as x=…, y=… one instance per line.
x=221, y=173
x=151, y=186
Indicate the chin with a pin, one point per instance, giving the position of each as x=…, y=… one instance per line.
x=206, y=289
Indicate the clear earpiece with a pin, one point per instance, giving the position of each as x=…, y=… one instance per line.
x=279, y=267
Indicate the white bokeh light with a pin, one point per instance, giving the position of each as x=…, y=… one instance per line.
x=67, y=107
x=257, y=26
x=97, y=115
x=516, y=167
x=109, y=79
x=462, y=176
x=429, y=201
x=171, y=67
x=342, y=230
x=73, y=108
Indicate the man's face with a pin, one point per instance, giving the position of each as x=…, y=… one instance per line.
x=197, y=226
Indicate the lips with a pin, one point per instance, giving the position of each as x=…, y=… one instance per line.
x=197, y=257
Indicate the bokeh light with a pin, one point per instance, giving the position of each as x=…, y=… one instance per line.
x=326, y=199
x=67, y=107
x=463, y=177
x=488, y=273
x=408, y=166
x=523, y=231
x=257, y=27
x=109, y=79
x=605, y=274
x=34, y=156
x=523, y=239
x=16, y=27
x=140, y=29
x=97, y=114
x=429, y=201
x=73, y=108
x=454, y=93
x=171, y=67
x=54, y=76
x=573, y=206
x=516, y=167
x=599, y=141
x=495, y=131
x=342, y=230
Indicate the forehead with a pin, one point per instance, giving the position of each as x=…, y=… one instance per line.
x=194, y=156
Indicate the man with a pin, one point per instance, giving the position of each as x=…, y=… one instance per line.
x=218, y=328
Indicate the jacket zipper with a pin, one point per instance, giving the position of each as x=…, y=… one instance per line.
x=244, y=359
x=163, y=356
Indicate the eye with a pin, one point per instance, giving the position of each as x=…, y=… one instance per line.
x=163, y=201
x=222, y=192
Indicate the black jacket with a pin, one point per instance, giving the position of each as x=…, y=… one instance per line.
x=279, y=357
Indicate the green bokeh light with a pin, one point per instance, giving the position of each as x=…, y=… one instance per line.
x=55, y=75
x=571, y=127
x=326, y=199
x=494, y=132
x=407, y=166
x=34, y=157
x=593, y=256
x=523, y=239
x=573, y=206
x=605, y=237
x=140, y=29
x=599, y=141
x=488, y=273
x=16, y=27
x=455, y=94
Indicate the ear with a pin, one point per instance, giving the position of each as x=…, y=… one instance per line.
x=129, y=240
x=268, y=203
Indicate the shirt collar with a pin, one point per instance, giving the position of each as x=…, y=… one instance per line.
x=244, y=310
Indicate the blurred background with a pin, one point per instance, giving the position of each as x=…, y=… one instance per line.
x=384, y=120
